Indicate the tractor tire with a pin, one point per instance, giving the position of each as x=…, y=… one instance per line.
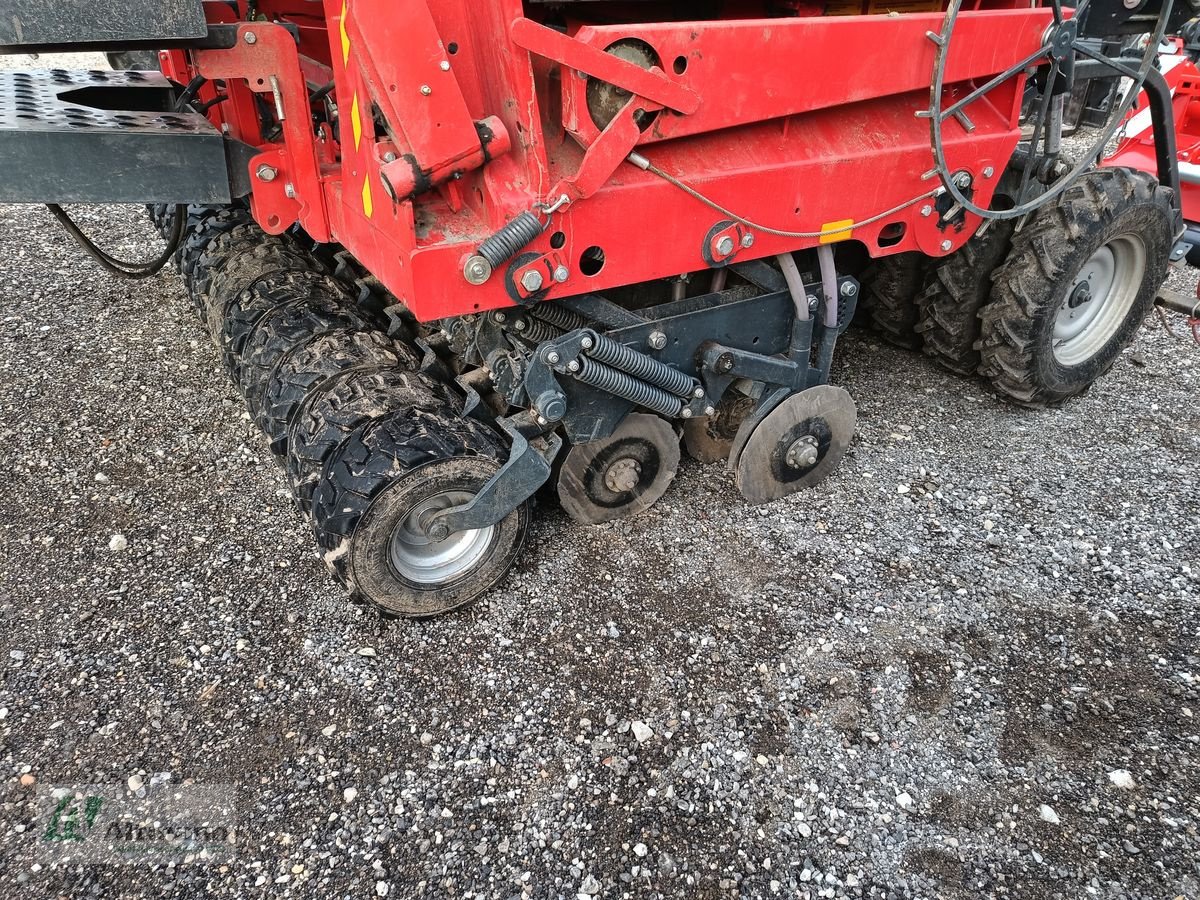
x=890, y=285
x=261, y=296
x=308, y=366
x=332, y=412
x=368, y=510
x=1080, y=278
x=284, y=328
x=955, y=292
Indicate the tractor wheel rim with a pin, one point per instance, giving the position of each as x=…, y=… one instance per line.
x=423, y=560
x=1099, y=299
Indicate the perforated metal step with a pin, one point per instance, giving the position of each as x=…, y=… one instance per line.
x=104, y=137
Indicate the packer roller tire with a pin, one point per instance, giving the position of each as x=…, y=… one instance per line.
x=261, y=296
x=376, y=496
x=307, y=366
x=958, y=287
x=286, y=327
x=246, y=261
x=204, y=226
x=1079, y=279
x=890, y=287
x=332, y=412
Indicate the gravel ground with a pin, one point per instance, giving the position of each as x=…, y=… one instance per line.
x=966, y=665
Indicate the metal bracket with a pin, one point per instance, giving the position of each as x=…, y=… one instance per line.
x=527, y=469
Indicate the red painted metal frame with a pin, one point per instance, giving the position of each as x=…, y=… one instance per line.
x=796, y=124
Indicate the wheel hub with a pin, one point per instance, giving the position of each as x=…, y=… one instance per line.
x=427, y=554
x=1081, y=295
x=1099, y=299
x=803, y=453
x=623, y=475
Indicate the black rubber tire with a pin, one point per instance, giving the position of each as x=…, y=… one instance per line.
x=284, y=328
x=260, y=297
x=890, y=285
x=379, y=475
x=140, y=60
x=239, y=258
x=1030, y=286
x=956, y=290
x=202, y=228
x=312, y=363
x=345, y=403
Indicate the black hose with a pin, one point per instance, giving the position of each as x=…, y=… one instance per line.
x=132, y=270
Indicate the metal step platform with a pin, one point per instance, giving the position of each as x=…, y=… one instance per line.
x=46, y=25
x=105, y=137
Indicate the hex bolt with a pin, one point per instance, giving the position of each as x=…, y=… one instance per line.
x=725, y=245
x=657, y=340
x=519, y=325
x=573, y=366
x=587, y=343
x=747, y=241
x=988, y=172
x=250, y=37
x=561, y=274
x=444, y=65
x=553, y=358
x=499, y=318
x=927, y=210
x=266, y=173
x=477, y=270
x=686, y=413
x=946, y=245
x=698, y=392
x=532, y=281
x=710, y=410
x=848, y=289
x=963, y=180
x=426, y=90
x=389, y=156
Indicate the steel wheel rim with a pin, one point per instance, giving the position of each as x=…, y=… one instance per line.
x=1109, y=282
x=421, y=560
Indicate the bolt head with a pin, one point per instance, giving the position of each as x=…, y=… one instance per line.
x=426, y=90
x=586, y=343
x=710, y=410
x=747, y=241
x=389, y=156
x=499, y=318
x=657, y=340
x=686, y=413
x=963, y=180
x=532, y=281
x=438, y=532
x=927, y=210
x=519, y=325
x=848, y=289
x=561, y=274
x=266, y=173
x=725, y=245
x=946, y=245
x=250, y=37
x=289, y=191
x=477, y=270
x=553, y=358
x=988, y=172
x=444, y=65
x=573, y=366
x=698, y=393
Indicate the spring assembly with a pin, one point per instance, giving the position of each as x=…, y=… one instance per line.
x=559, y=316
x=509, y=240
x=537, y=331
x=598, y=375
x=606, y=350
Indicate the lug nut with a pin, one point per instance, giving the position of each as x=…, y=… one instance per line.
x=266, y=173
x=532, y=281
x=657, y=340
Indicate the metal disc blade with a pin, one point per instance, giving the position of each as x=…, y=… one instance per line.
x=819, y=421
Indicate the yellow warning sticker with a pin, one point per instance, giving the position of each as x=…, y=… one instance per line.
x=355, y=121
x=832, y=232
x=368, y=205
x=345, y=37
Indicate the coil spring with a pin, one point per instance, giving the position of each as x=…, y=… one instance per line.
x=606, y=350
x=598, y=375
x=538, y=331
x=558, y=316
x=509, y=240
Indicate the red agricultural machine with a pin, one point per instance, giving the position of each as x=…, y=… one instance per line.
x=454, y=251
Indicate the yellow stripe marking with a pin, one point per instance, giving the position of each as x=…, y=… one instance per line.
x=345, y=37
x=368, y=206
x=841, y=231
x=355, y=121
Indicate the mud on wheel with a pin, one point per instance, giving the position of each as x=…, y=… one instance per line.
x=373, y=509
x=1079, y=279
